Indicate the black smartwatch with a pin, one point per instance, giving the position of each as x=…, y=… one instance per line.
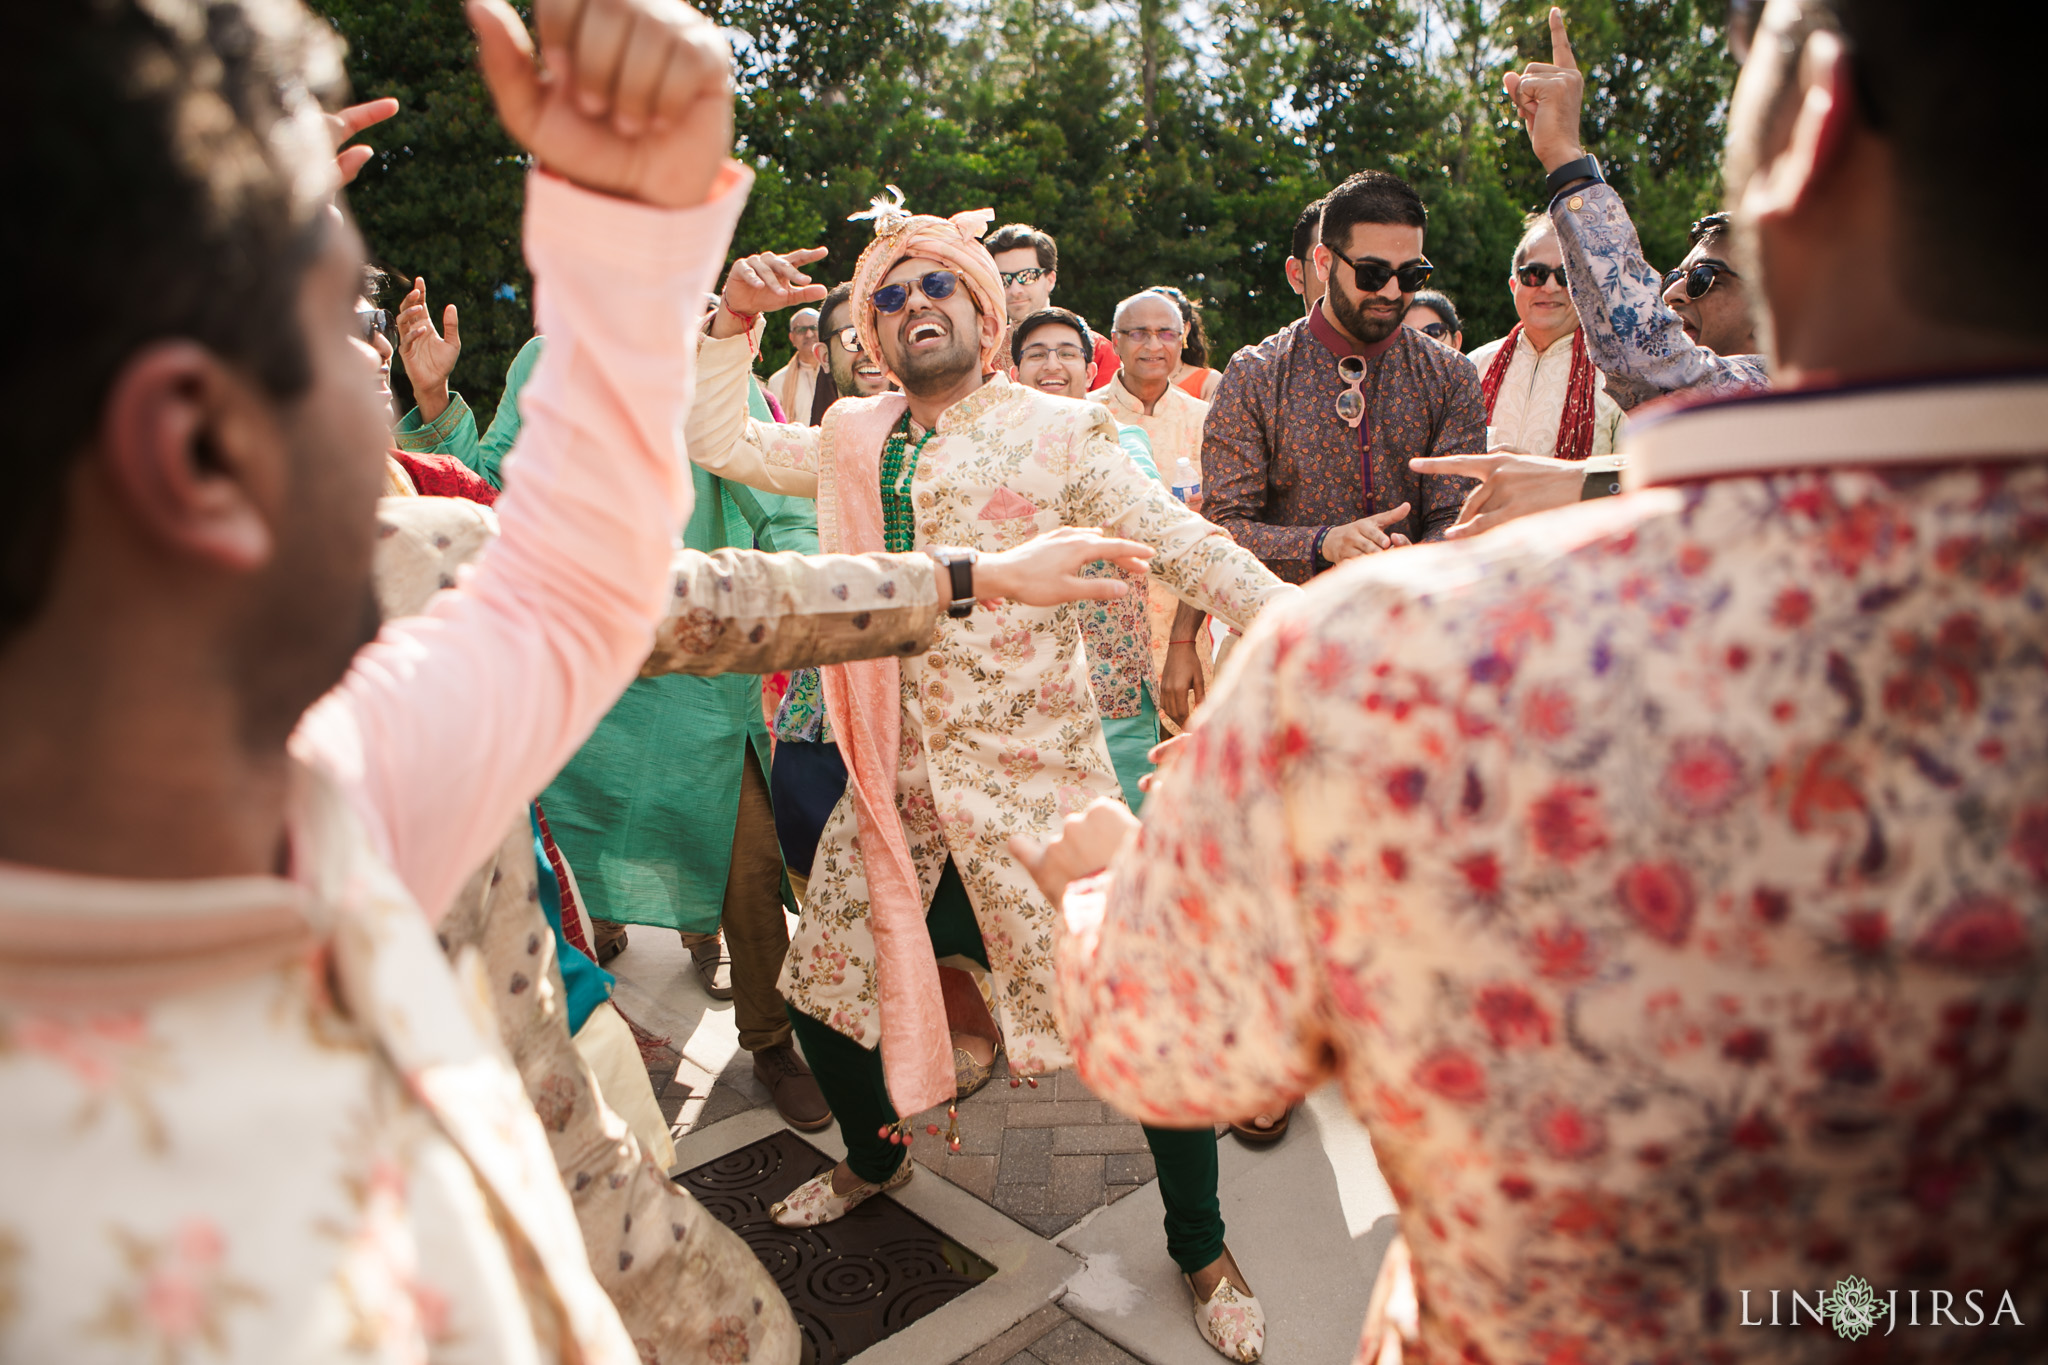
x=959, y=567
x=1600, y=483
x=1582, y=168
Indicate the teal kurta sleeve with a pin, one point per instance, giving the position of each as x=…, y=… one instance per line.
x=454, y=431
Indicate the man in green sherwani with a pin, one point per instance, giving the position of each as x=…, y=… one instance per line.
x=664, y=812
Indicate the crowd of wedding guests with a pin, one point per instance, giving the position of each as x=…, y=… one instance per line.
x=1615, y=753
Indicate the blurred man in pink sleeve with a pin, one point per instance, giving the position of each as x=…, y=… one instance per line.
x=1665, y=879
x=246, y=1108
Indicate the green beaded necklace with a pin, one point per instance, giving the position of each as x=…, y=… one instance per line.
x=899, y=471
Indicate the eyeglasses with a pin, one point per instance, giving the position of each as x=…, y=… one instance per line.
x=1536, y=274
x=1699, y=279
x=1372, y=275
x=810, y=329
x=1439, y=330
x=1066, y=355
x=934, y=285
x=370, y=321
x=1351, y=403
x=1029, y=275
x=1145, y=336
x=849, y=339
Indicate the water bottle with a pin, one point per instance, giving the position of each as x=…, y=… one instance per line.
x=1187, y=484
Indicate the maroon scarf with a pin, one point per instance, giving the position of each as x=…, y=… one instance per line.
x=1575, y=424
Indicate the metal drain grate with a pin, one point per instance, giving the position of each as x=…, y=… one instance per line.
x=850, y=1283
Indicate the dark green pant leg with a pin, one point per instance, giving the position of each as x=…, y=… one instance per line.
x=1186, y=1161
x=850, y=1077
x=950, y=921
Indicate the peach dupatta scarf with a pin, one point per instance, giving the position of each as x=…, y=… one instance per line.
x=865, y=701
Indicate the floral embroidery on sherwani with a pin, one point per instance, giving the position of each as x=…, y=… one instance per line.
x=1665, y=881
x=1000, y=734
x=418, y=1217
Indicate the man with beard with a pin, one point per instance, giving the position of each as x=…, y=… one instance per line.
x=992, y=732
x=1305, y=452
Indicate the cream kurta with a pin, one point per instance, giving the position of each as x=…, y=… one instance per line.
x=1001, y=735
x=1174, y=426
x=1532, y=393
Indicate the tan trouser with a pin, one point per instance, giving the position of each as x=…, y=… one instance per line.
x=756, y=935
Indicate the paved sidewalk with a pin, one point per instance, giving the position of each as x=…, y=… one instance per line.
x=1308, y=1220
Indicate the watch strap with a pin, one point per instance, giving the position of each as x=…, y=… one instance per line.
x=1580, y=168
x=959, y=566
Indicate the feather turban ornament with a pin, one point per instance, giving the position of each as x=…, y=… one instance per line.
x=953, y=242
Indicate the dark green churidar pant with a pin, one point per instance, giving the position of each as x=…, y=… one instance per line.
x=851, y=1077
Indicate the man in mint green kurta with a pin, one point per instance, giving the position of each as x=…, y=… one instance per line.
x=664, y=812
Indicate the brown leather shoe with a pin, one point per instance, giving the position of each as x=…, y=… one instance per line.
x=793, y=1088
x=714, y=967
x=611, y=940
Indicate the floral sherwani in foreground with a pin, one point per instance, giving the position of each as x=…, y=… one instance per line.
x=1664, y=879
x=1000, y=733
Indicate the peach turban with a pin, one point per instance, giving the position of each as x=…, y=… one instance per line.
x=953, y=242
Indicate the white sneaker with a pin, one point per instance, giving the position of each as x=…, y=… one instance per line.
x=813, y=1202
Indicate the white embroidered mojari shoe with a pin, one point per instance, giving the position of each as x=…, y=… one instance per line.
x=813, y=1202
x=1231, y=1321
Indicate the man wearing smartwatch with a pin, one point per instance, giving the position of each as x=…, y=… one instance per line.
x=1649, y=334
x=1688, y=332
x=991, y=732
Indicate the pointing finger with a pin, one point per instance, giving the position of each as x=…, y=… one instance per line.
x=1560, y=45
x=1388, y=517
x=1464, y=466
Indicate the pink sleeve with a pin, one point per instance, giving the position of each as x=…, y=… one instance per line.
x=451, y=721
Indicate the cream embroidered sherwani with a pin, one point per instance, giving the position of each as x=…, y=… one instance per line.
x=1001, y=735
x=688, y=1290
x=1532, y=394
x=1174, y=425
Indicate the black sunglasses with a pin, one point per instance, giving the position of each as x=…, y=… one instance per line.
x=370, y=321
x=1536, y=274
x=934, y=285
x=1699, y=279
x=1372, y=276
x=1438, y=330
x=849, y=339
x=1030, y=274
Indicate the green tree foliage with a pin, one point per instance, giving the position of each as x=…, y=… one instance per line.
x=1162, y=144
x=442, y=196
